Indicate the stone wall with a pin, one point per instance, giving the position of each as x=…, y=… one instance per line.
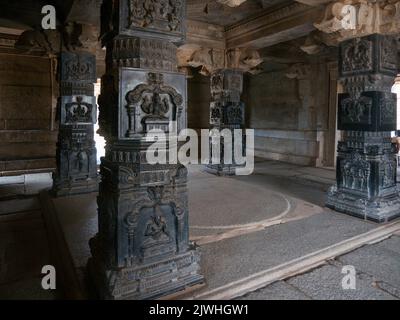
x=290, y=125
x=27, y=136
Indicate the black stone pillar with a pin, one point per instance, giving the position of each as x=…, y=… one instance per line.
x=142, y=249
x=366, y=166
x=226, y=113
x=76, y=152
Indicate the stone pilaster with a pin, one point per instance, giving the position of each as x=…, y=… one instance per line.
x=142, y=249
x=366, y=164
x=76, y=152
x=227, y=112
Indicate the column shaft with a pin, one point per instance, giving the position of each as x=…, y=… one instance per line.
x=76, y=152
x=366, y=164
x=227, y=113
x=142, y=250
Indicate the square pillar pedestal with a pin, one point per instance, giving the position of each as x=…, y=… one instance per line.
x=367, y=114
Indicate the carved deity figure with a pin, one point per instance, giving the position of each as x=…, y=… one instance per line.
x=78, y=111
x=155, y=106
x=357, y=56
x=156, y=231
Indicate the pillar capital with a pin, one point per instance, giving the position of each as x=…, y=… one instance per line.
x=348, y=19
x=144, y=19
x=210, y=60
x=232, y=3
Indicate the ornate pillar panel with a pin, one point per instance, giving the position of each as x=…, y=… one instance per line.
x=76, y=151
x=226, y=112
x=367, y=113
x=142, y=250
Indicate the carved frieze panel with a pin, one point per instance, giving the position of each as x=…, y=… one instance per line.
x=211, y=60
x=388, y=173
x=357, y=56
x=78, y=110
x=144, y=53
x=357, y=111
x=369, y=55
x=355, y=173
x=388, y=54
x=152, y=226
x=149, y=101
x=357, y=18
x=227, y=84
x=78, y=67
x=216, y=113
x=372, y=111
x=151, y=18
x=235, y=114
x=76, y=155
x=388, y=109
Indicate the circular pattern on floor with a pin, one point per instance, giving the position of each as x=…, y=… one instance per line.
x=222, y=202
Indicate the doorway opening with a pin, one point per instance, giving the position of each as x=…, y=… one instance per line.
x=99, y=140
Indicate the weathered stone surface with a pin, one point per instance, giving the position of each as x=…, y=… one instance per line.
x=142, y=249
x=27, y=141
x=226, y=112
x=76, y=151
x=366, y=164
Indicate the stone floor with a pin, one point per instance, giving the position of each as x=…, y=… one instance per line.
x=24, y=250
x=251, y=224
x=377, y=269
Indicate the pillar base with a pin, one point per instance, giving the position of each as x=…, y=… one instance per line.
x=75, y=187
x=221, y=170
x=382, y=209
x=145, y=281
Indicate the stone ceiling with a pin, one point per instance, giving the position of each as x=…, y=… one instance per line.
x=213, y=12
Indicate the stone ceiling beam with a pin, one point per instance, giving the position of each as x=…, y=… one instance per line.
x=283, y=24
x=205, y=34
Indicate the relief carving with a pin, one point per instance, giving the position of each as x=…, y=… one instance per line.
x=158, y=103
x=388, y=109
x=356, y=173
x=210, y=60
x=157, y=13
x=232, y=3
x=356, y=111
x=368, y=17
x=235, y=113
x=357, y=56
x=78, y=67
x=79, y=111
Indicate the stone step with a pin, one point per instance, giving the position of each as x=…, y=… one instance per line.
x=19, y=205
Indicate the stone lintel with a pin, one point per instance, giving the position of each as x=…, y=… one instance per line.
x=283, y=24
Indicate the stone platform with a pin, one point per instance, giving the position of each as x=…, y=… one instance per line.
x=276, y=224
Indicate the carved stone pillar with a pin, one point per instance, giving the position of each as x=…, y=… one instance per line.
x=366, y=164
x=142, y=250
x=76, y=152
x=226, y=68
x=226, y=112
